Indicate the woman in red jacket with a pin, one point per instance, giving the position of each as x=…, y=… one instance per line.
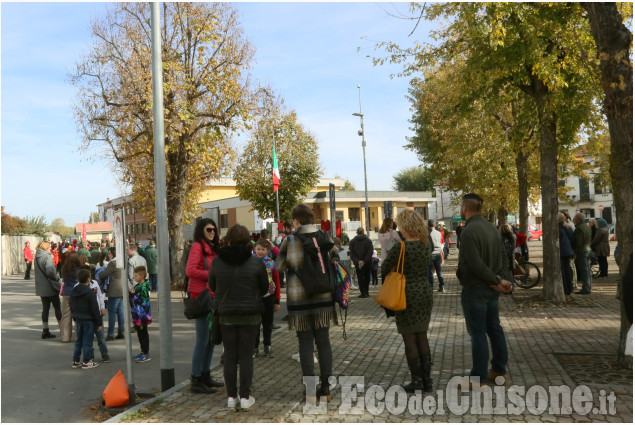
x=202, y=253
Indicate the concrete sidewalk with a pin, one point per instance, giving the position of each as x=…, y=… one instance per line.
x=570, y=345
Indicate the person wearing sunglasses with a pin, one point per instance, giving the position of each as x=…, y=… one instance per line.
x=202, y=252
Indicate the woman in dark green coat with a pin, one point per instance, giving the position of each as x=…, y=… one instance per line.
x=413, y=322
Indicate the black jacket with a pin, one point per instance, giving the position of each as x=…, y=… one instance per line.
x=238, y=280
x=84, y=304
x=361, y=248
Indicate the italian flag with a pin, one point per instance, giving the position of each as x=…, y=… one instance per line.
x=276, y=172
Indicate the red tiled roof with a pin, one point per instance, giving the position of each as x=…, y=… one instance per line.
x=102, y=226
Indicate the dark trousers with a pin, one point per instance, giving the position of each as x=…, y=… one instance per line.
x=325, y=356
x=27, y=274
x=238, y=341
x=373, y=275
x=480, y=308
x=363, y=278
x=567, y=275
x=84, y=341
x=267, y=322
x=144, y=339
x=604, y=265
x=154, y=282
x=435, y=264
x=46, y=307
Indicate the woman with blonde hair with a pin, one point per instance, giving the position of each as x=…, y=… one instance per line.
x=413, y=322
x=47, y=286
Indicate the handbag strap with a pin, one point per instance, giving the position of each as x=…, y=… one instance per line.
x=402, y=255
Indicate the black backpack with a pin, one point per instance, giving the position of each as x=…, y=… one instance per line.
x=315, y=273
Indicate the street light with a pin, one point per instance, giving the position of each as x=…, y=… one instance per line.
x=361, y=133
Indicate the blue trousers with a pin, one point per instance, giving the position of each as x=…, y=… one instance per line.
x=203, y=348
x=480, y=308
x=84, y=342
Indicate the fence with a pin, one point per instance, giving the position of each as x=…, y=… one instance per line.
x=13, y=252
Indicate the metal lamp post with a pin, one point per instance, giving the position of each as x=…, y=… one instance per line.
x=361, y=133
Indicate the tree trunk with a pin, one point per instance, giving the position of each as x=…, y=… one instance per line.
x=552, y=289
x=613, y=40
x=177, y=190
x=523, y=192
x=502, y=216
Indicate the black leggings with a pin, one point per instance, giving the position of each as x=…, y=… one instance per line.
x=238, y=341
x=306, y=341
x=416, y=345
x=144, y=338
x=46, y=307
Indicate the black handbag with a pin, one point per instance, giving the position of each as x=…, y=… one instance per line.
x=195, y=308
x=215, y=335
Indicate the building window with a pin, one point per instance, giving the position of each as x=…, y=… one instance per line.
x=136, y=229
x=353, y=214
x=584, y=190
x=224, y=221
x=339, y=215
x=423, y=212
x=143, y=228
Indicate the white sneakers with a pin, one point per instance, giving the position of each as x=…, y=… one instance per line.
x=245, y=403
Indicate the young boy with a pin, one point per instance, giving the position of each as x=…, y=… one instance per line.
x=85, y=312
x=101, y=302
x=141, y=316
x=271, y=300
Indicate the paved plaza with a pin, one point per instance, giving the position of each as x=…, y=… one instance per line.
x=572, y=345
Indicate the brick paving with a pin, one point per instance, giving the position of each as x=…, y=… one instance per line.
x=572, y=345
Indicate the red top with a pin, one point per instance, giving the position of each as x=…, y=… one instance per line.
x=196, y=270
x=28, y=254
x=276, y=279
x=442, y=236
x=520, y=239
x=56, y=257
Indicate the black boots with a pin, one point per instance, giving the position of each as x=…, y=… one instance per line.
x=46, y=334
x=198, y=386
x=207, y=380
x=415, y=373
x=420, y=374
x=426, y=366
x=324, y=390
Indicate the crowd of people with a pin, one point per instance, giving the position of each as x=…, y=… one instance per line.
x=244, y=278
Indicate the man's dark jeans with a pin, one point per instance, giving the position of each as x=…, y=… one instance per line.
x=435, y=264
x=480, y=308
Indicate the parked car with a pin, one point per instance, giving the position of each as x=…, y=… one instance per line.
x=535, y=233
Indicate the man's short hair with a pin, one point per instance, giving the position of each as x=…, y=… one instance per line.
x=472, y=202
x=288, y=224
x=360, y=230
x=83, y=275
x=580, y=217
x=140, y=270
x=132, y=246
x=238, y=235
x=265, y=234
x=303, y=213
x=430, y=223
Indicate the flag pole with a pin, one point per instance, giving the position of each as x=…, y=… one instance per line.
x=277, y=191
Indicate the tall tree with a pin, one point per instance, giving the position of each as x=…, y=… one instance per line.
x=298, y=163
x=207, y=97
x=532, y=47
x=614, y=43
x=417, y=178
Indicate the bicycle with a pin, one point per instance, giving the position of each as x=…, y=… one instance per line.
x=526, y=274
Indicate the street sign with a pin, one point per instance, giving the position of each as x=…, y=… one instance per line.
x=119, y=246
x=600, y=207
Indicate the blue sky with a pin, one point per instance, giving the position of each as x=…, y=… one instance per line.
x=306, y=51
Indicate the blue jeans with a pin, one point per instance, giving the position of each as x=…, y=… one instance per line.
x=154, y=281
x=101, y=341
x=84, y=342
x=435, y=264
x=583, y=268
x=203, y=349
x=115, y=312
x=480, y=308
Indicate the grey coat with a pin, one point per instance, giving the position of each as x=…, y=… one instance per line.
x=600, y=243
x=46, y=279
x=115, y=289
